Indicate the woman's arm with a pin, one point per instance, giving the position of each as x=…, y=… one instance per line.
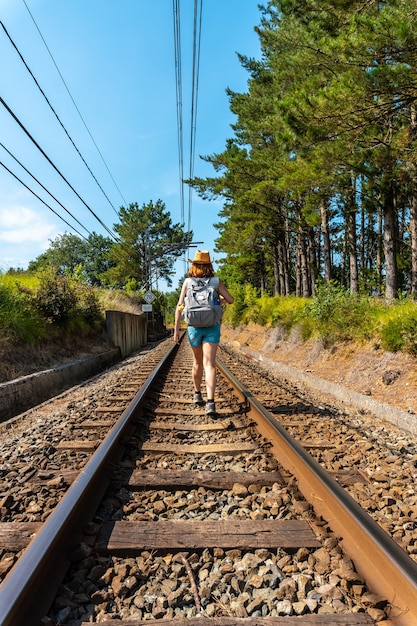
x=178, y=311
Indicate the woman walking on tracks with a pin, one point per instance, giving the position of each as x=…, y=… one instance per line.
x=200, y=304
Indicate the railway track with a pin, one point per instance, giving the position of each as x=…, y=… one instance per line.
x=176, y=516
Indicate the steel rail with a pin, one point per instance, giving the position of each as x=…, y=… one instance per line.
x=386, y=568
x=30, y=587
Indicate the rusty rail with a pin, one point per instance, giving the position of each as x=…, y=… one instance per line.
x=29, y=589
x=386, y=568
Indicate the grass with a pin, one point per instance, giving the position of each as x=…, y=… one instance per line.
x=333, y=314
x=18, y=320
x=118, y=300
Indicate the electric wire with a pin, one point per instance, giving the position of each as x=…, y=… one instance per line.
x=56, y=115
x=124, y=251
x=178, y=84
x=8, y=109
x=75, y=105
x=196, y=53
x=198, y=9
x=45, y=203
x=43, y=187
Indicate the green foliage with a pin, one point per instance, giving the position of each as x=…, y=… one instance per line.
x=56, y=298
x=252, y=304
x=65, y=302
x=171, y=300
x=399, y=333
x=24, y=281
x=333, y=314
x=82, y=260
x=340, y=315
x=310, y=133
x=287, y=311
x=391, y=335
x=132, y=285
x=18, y=320
x=147, y=247
x=88, y=306
x=234, y=314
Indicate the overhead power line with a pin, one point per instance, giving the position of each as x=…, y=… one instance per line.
x=75, y=105
x=198, y=9
x=178, y=84
x=43, y=201
x=196, y=49
x=56, y=115
x=8, y=109
x=44, y=188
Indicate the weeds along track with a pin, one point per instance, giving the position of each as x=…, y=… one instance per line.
x=122, y=502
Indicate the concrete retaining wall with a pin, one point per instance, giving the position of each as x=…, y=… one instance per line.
x=127, y=331
x=23, y=393
x=345, y=396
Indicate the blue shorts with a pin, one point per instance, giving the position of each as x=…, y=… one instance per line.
x=197, y=336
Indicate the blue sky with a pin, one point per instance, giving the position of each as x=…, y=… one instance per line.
x=117, y=60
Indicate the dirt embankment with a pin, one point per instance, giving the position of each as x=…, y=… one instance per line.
x=17, y=361
x=387, y=377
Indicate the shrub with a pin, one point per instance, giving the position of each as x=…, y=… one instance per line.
x=18, y=320
x=400, y=333
x=306, y=328
x=235, y=312
x=56, y=298
x=88, y=305
x=391, y=335
x=340, y=315
x=287, y=311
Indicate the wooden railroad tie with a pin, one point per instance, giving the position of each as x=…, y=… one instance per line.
x=189, y=412
x=83, y=445
x=109, y=409
x=192, y=427
x=355, y=619
x=190, y=479
x=97, y=424
x=15, y=536
x=122, y=538
x=213, y=448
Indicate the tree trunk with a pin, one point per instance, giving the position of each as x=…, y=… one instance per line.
x=379, y=252
x=413, y=211
x=287, y=257
x=327, y=264
x=275, y=265
x=362, y=244
x=351, y=239
x=303, y=280
x=280, y=260
x=282, y=269
x=297, y=268
x=312, y=261
x=390, y=251
x=413, y=242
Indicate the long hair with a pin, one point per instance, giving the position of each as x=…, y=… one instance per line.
x=199, y=270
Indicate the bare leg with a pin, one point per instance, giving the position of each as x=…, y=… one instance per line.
x=209, y=363
x=197, y=372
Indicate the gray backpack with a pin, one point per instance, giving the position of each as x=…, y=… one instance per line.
x=202, y=305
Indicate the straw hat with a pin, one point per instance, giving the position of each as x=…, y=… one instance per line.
x=202, y=257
